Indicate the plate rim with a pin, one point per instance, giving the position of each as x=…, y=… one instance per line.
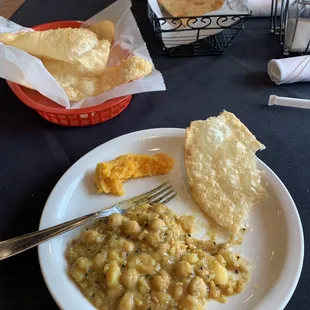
x=297, y=257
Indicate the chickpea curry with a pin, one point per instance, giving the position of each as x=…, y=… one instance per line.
x=148, y=259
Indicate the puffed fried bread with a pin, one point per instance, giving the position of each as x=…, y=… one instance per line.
x=65, y=44
x=221, y=167
x=180, y=8
x=78, y=86
x=77, y=58
x=105, y=30
x=90, y=64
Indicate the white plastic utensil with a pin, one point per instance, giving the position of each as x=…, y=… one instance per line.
x=289, y=102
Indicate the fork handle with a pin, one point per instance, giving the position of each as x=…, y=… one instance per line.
x=20, y=244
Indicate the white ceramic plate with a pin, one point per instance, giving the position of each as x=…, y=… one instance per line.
x=275, y=244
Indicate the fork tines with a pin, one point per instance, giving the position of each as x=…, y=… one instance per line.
x=161, y=194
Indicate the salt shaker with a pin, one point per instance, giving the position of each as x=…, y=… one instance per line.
x=297, y=32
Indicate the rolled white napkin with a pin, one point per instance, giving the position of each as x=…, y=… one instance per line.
x=289, y=70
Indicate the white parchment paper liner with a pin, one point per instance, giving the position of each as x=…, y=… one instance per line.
x=24, y=69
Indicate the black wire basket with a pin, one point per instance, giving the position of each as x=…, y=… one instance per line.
x=188, y=36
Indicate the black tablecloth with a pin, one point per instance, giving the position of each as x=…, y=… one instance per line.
x=34, y=153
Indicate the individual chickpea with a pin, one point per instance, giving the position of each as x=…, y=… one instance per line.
x=98, y=302
x=113, y=273
x=115, y=291
x=89, y=291
x=221, y=259
x=161, y=282
x=113, y=255
x=178, y=250
x=240, y=286
x=158, y=283
x=178, y=290
x=160, y=209
x=98, y=299
x=221, y=275
x=163, y=248
x=128, y=246
x=90, y=237
x=198, y=288
x=163, y=298
x=230, y=258
x=214, y=291
x=131, y=228
x=99, y=260
x=192, y=258
x=190, y=303
x=83, y=284
x=183, y=269
x=143, y=286
x=144, y=263
x=77, y=274
x=165, y=275
x=115, y=220
x=130, y=277
x=126, y=302
x=153, y=239
x=157, y=224
x=145, y=206
x=203, y=273
x=83, y=263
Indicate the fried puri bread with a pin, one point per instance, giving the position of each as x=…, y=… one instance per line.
x=77, y=58
x=78, y=86
x=221, y=167
x=181, y=8
x=65, y=44
x=105, y=30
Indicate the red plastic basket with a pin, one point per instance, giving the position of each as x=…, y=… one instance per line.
x=54, y=113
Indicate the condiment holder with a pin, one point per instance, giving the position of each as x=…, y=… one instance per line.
x=290, y=20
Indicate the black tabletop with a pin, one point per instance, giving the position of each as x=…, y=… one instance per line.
x=34, y=153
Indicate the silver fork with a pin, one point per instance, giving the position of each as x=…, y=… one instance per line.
x=161, y=194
